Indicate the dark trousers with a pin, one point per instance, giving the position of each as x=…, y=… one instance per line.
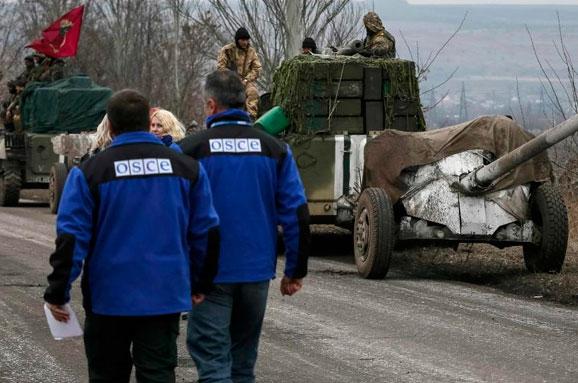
x=223, y=332
x=108, y=341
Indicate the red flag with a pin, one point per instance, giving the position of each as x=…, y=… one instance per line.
x=60, y=39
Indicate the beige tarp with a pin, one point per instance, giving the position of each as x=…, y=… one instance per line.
x=389, y=154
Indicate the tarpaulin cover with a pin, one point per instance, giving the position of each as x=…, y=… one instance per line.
x=69, y=105
x=389, y=154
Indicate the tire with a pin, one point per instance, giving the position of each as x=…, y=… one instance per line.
x=10, y=184
x=373, y=233
x=58, y=174
x=550, y=216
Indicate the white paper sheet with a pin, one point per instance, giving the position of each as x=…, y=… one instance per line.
x=61, y=330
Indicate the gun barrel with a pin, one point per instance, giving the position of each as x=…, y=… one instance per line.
x=483, y=177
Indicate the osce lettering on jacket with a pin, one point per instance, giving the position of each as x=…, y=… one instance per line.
x=235, y=145
x=143, y=166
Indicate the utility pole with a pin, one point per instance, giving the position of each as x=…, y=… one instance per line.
x=176, y=5
x=294, y=27
x=433, y=111
x=463, y=104
x=542, y=102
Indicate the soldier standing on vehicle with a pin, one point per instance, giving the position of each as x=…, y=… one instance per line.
x=57, y=70
x=30, y=65
x=7, y=118
x=242, y=58
x=42, y=71
x=13, y=110
x=379, y=42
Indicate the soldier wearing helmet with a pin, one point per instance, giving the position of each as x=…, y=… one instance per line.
x=378, y=42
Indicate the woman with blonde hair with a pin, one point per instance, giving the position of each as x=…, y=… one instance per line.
x=102, y=137
x=166, y=127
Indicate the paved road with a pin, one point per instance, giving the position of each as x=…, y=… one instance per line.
x=339, y=329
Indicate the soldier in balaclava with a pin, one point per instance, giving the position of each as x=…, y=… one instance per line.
x=378, y=42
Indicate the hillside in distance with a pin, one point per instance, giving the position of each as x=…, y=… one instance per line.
x=492, y=49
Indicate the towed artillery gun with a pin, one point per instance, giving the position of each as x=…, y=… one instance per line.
x=358, y=135
x=467, y=197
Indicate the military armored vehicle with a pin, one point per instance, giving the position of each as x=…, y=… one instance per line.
x=357, y=132
x=27, y=159
x=334, y=105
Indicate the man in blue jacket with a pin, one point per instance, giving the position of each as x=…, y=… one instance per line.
x=256, y=186
x=140, y=217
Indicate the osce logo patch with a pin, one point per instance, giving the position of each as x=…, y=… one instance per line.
x=235, y=145
x=143, y=166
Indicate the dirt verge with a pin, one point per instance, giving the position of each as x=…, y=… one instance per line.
x=477, y=264
x=488, y=266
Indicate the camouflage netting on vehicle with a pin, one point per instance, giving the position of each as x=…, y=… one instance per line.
x=69, y=105
x=338, y=92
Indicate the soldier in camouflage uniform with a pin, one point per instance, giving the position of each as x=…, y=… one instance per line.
x=29, y=68
x=12, y=116
x=242, y=58
x=378, y=42
x=41, y=68
x=6, y=117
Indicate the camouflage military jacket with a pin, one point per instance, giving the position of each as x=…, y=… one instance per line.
x=381, y=43
x=26, y=75
x=244, y=61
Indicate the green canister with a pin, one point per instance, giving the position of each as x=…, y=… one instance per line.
x=274, y=121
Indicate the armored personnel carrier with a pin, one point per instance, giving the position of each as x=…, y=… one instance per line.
x=27, y=158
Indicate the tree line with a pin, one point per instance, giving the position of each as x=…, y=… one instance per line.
x=164, y=48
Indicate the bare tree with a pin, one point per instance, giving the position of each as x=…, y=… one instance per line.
x=424, y=65
x=10, y=41
x=561, y=90
x=165, y=47
x=142, y=44
x=35, y=15
x=271, y=24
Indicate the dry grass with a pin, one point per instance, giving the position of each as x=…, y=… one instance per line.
x=488, y=266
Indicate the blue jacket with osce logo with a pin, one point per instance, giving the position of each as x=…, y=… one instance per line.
x=256, y=187
x=140, y=217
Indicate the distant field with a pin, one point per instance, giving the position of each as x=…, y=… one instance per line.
x=493, y=44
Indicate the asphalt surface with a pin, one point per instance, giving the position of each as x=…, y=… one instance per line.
x=340, y=328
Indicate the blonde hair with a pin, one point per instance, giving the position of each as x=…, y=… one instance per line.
x=102, y=138
x=170, y=123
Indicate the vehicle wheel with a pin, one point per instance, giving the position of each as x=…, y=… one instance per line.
x=10, y=184
x=58, y=174
x=550, y=217
x=373, y=233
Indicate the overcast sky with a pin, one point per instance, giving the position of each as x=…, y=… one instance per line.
x=539, y=2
